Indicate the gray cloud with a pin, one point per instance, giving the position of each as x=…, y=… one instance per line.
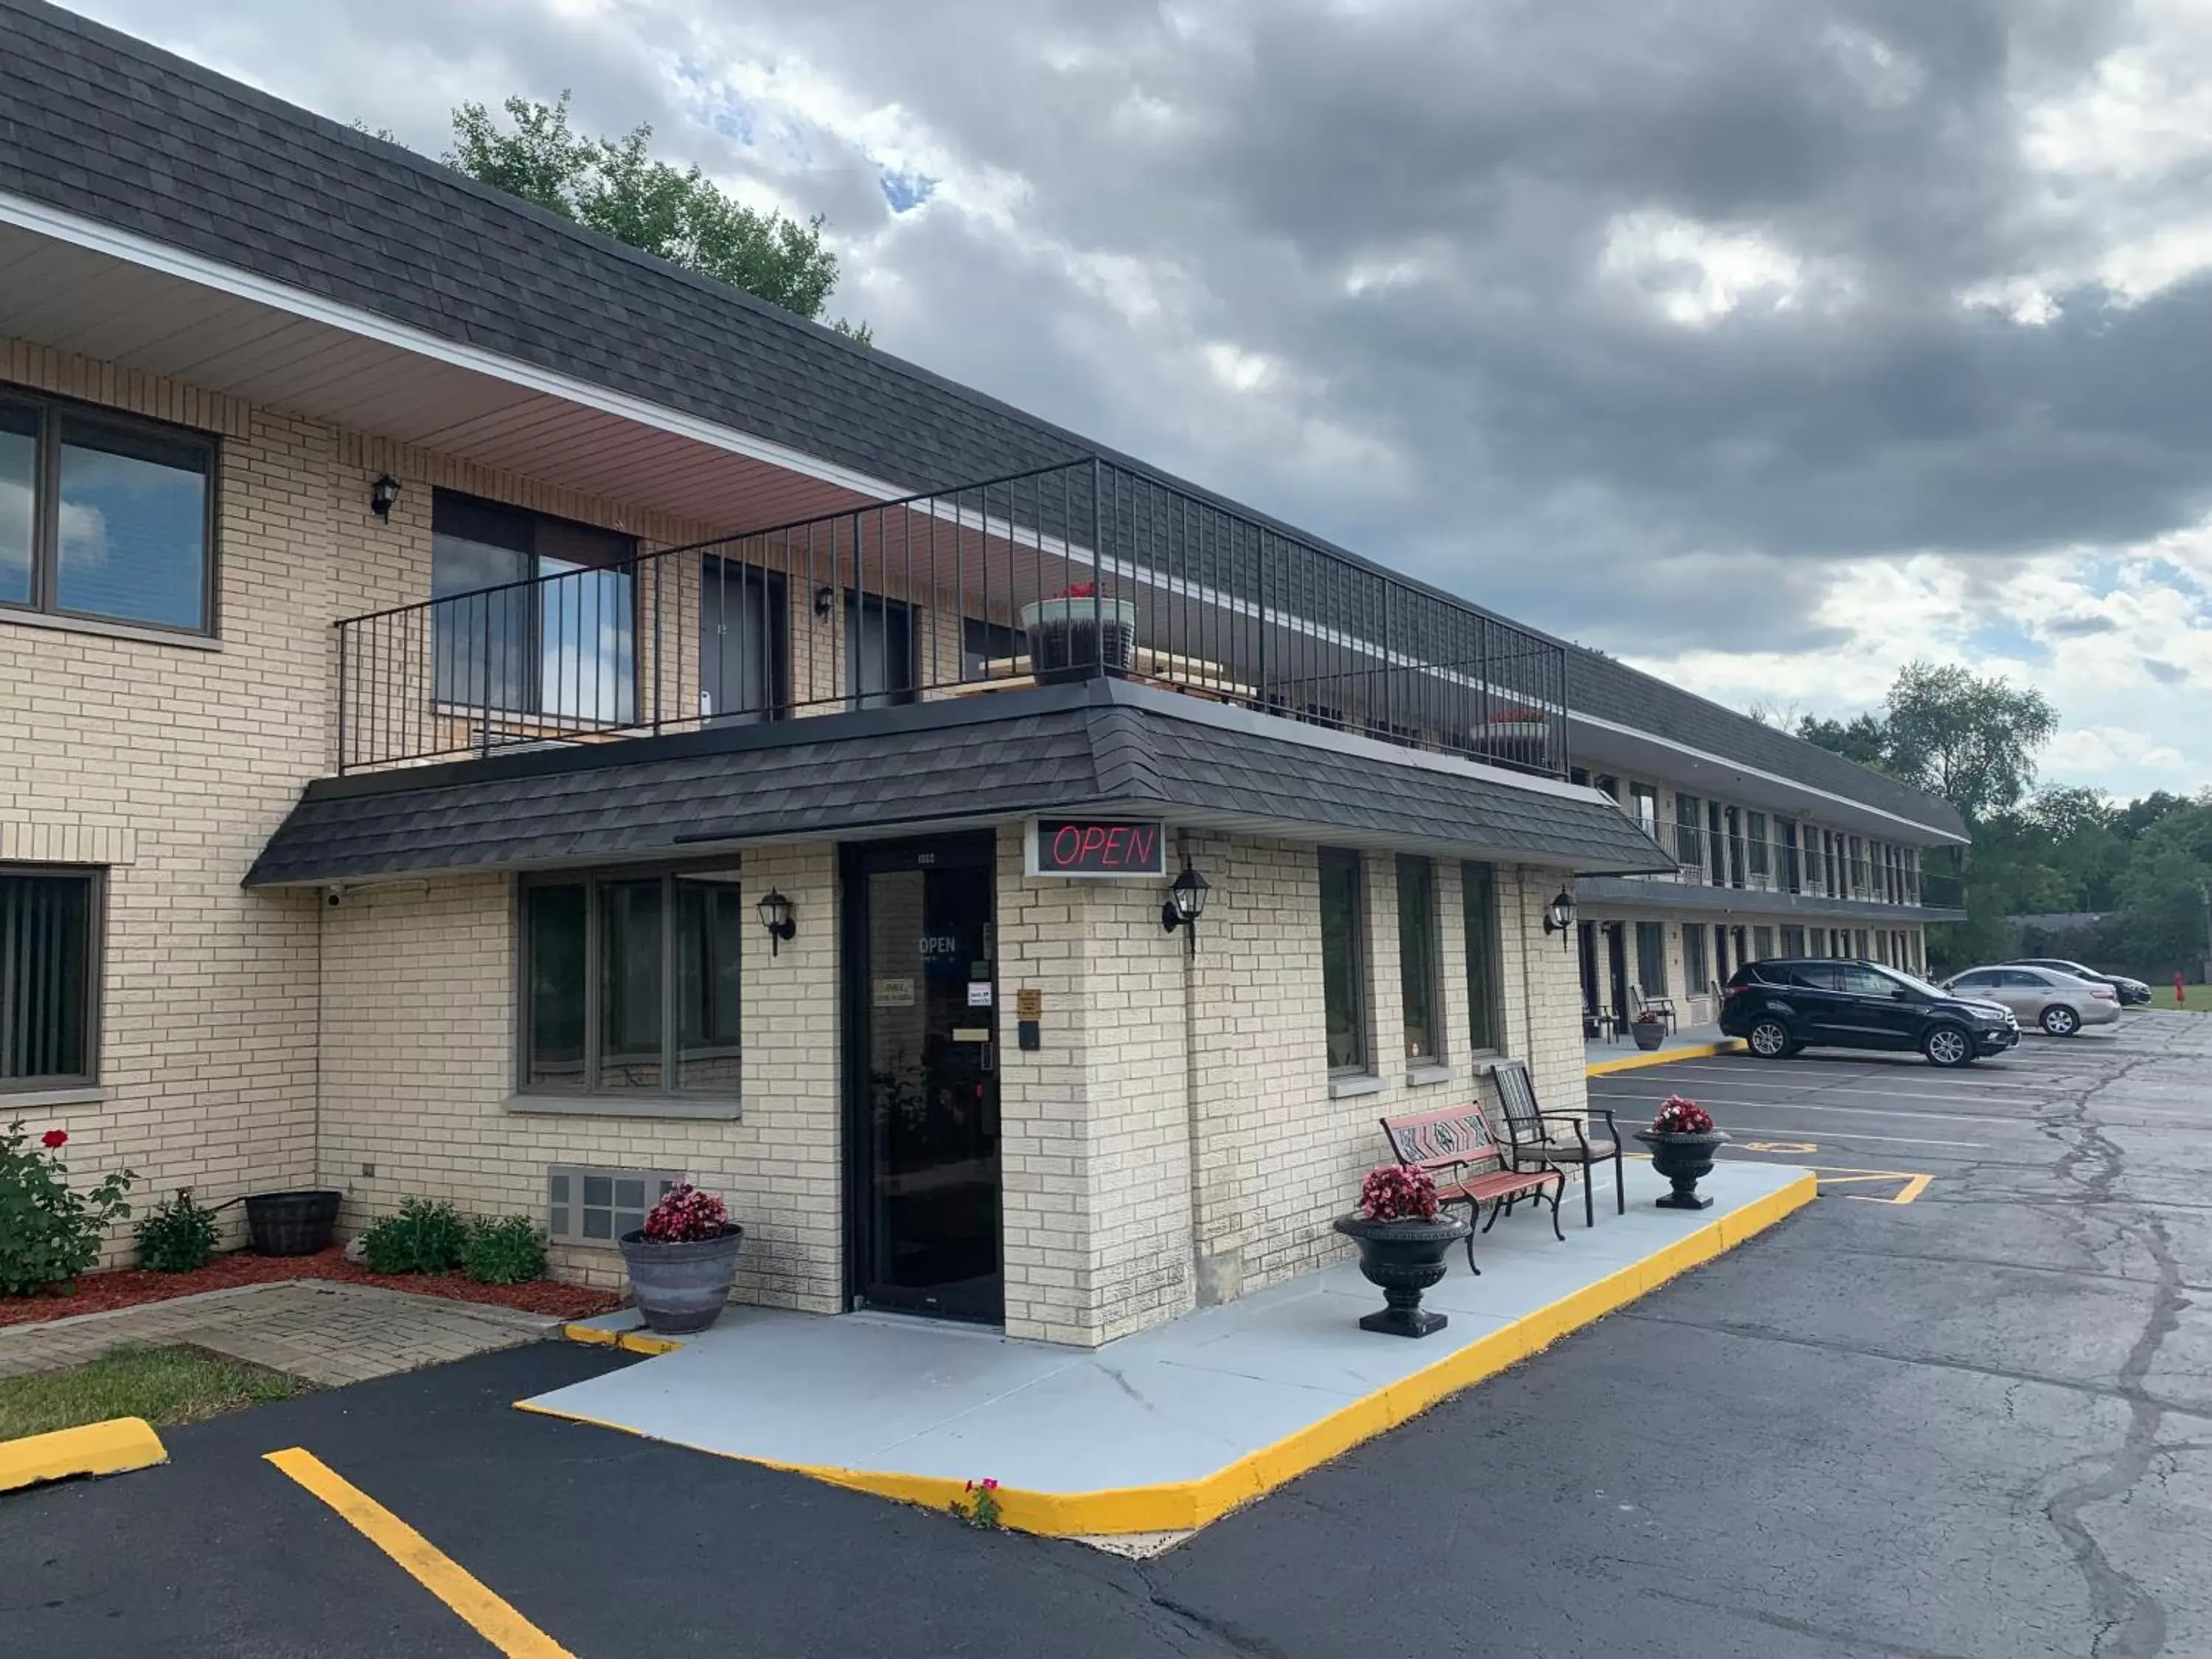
x=2165, y=673
x=1495, y=408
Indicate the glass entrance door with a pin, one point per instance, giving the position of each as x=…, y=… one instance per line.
x=921, y=1077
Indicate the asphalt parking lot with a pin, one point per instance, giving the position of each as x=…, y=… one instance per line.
x=1960, y=1407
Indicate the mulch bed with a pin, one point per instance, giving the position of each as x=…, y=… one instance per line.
x=126, y=1287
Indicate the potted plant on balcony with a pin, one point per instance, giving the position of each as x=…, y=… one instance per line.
x=1403, y=1237
x=681, y=1263
x=1076, y=633
x=1682, y=1139
x=1649, y=1029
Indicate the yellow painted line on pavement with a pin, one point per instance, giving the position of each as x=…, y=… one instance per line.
x=1661, y=1057
x=491, y=1618
x=644, y=1342
x=109, y=1447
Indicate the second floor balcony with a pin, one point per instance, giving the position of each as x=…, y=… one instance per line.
x=1064, y=573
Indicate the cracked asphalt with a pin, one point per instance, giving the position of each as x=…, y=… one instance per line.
x=1977, y=1424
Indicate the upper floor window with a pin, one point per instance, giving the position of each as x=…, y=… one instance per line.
x=48, y=977
x=537, y=617
x=879, y=668
x=105, y=516
x=1689, y=841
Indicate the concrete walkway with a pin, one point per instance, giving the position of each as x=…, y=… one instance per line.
x=326, y=1332
x=1621, y=1054
x=1168, y=1429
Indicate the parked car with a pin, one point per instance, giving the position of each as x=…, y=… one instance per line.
x=2061, y=1004
x=2132, y=991
x=1787, y=1003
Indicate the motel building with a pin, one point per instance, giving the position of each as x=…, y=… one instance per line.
x=485, y=714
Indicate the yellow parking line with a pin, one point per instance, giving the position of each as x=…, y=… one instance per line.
x=438, y=1573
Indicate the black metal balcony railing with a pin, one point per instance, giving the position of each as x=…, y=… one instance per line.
x=1062, y=572
x=1705, y=859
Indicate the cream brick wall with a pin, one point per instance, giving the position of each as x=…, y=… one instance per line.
x=169, y=765
x=1176, y=1141
x=418, y=1061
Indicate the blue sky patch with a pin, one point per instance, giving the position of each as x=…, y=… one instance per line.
x=906, y=190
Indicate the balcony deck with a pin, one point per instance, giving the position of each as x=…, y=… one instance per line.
x=1074, y=572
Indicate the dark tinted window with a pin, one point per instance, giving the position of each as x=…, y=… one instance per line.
x=1814, y=975
x=1981, y=978
x=1343, y=960
x=48, y=983
x=1860, y=981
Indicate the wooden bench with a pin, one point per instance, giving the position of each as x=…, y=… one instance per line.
x=1455, y=1145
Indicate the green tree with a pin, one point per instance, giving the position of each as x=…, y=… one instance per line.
x=1862, y=739
x=1973, y=742
x=2163, y=890
x=615, y=186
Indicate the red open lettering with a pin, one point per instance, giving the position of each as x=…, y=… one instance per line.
x=1094, y=838
x=1115, y=850
x=1140, y=845
x=1067, y=845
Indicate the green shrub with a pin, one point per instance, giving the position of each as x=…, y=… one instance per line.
x=426, y=1237
x=49, y=1232
x=178, y=1237
x=508, y=1251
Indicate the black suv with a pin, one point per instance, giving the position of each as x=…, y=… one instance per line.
x=1780, y=1006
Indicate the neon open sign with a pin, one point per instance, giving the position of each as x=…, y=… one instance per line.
x=1097, y=847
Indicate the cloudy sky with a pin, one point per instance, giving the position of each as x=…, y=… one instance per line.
x=1766, y=343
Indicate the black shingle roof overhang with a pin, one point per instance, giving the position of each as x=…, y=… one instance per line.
x=1000, y=755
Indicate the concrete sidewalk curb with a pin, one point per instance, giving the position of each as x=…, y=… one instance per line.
x=1637, y=1062
x=1184, y=1506
x=119, y=1445
x=629, y=1341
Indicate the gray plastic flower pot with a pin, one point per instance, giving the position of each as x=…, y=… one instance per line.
x=681, y=1288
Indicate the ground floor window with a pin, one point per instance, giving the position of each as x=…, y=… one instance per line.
x=49, y=976
x=1417, y=957
x=1793, y=941
x=1695, y=970
x=1479, y=907
x=630, y=982
x=1762, y=943
x=1651, y=958
x=1344, y=960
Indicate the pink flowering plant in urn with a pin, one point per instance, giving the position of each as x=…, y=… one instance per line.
x=1402, y=1233
x=1682, y=1139
x=683, y=1260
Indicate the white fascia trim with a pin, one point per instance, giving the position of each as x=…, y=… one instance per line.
x=143, y=250
x=1944, y=836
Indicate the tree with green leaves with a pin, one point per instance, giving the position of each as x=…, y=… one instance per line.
x=1862, y=739
x=615, y=186
x=1973, y=742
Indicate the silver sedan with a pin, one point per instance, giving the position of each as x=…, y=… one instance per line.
x=2061, y=1004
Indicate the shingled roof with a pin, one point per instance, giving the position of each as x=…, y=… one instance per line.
x=1007, y=755
x=104, y=125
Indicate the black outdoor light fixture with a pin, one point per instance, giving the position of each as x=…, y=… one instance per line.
x=824, y=598
x=775, y=916
x=1186, y=904
x=1560, y=914
x=382, y=494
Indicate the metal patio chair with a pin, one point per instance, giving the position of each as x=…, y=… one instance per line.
x=1530, y=1135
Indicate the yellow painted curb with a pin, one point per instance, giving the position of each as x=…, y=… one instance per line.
x=628, y=1342
x=109, y=1447
x=1637, y=1062
x=1182, y=1506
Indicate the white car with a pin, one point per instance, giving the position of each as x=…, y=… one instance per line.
x=2061, y=1004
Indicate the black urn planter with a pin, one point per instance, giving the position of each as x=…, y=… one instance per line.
x=1684, y=1159
x=1649, y=1033
x=1404, y=1258
x=291, y=1224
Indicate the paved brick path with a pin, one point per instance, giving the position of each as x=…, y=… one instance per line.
x=328, y=1333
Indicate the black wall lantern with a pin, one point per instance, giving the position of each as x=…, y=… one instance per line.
x=1186, y=904
x=775, y=916
x=1560, y=914
x=382, y=494
x=825, y=599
